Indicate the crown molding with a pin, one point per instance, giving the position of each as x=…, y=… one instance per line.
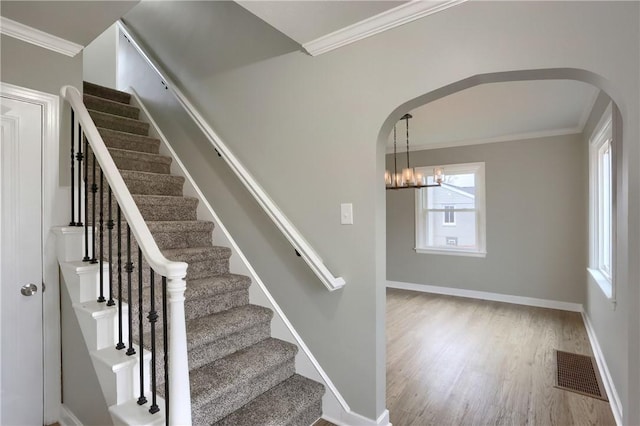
x=497, y=139
x=39, y=38
x=386, y=20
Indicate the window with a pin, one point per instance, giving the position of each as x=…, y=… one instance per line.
x=601, y=178
x=450, y=219
x=449, y=215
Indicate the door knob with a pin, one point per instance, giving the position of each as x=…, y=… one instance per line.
x=29, y=289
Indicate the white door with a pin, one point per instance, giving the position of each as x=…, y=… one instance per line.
x=21, y=337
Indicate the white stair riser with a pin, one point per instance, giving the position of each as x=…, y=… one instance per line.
x=83, y=286
x=119, y=374
x=116, y=380
x=132, y=414
x=70, y=243
x=97, y=327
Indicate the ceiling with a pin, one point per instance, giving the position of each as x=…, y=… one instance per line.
x=486, y=113
x=304, y=21
x=76, y=21
x=498, y=112
x=481, y=114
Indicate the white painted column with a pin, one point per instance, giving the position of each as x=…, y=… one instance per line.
x=179, y=390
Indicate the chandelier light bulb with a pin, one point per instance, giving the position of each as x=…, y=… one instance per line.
x=408, y=177
x=388, y=181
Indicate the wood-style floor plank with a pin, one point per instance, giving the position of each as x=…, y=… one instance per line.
x=458, y=361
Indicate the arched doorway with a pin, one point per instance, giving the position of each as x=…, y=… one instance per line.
x=414, y=391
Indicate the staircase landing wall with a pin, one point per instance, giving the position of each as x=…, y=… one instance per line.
x=81, y=391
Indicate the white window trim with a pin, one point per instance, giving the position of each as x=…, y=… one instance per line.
x=480, y=199
x=602, y=133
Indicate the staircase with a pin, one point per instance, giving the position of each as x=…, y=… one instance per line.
x=239, y=375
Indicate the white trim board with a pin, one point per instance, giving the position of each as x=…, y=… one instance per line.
x=351, y=418
x=334, y=405
x=39, y=38
x=483, y=295
x=612, y=393
x=376, y=24
x=67, y=417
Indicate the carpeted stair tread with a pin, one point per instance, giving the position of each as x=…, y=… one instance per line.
x=203, y=261
x=129, y=141
x=166, y=207
x=235, y=319
x=217, y=285
x=288, y=404
x=203, y=330
x=182, y=234
x=214, y=298
x=110, y=107
x=200, y=289
x=116, y=122
x=180, y=226
x=225, y=336
x=106, y=92
x=195, y=254
x=219, y=388
x=152, y=183
x=140, y=161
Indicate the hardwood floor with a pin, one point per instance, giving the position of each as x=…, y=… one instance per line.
x=457, y=361
x=323, y=422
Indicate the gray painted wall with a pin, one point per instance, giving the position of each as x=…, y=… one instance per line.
x=312, y=131
x=535, y=222
x=82, y=393
x=76, y=21
x=99, y=59
x=26, y=65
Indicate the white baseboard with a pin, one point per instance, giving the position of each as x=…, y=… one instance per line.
x=354, y=419
x=67, y=418
x=614, y=399
x=483, y=295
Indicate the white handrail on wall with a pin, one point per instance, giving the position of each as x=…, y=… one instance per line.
x=175, y=272
x=271, y=209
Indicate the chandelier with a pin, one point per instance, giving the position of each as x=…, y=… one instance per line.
x=409, y=178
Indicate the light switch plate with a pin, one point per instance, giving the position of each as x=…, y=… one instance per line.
x=346, y=214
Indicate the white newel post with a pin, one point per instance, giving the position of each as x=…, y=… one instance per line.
x=179, y=390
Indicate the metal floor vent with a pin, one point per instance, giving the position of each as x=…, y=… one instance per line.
x=579, y=373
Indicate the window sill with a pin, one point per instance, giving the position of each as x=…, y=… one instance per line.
x=603, y=282
x=451, y=252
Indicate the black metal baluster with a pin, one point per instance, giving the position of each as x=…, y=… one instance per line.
x=86, y=199
x=165, y=343
x=94, y=190
x=153, y=317
x=79, y=156
x=142, y=399
x=129, y=269
x=101, y=298
x=111, y=302
x=120, y=344
x=73, y=171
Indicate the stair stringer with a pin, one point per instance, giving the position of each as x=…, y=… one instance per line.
x=117, y=373
x=334, y=407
